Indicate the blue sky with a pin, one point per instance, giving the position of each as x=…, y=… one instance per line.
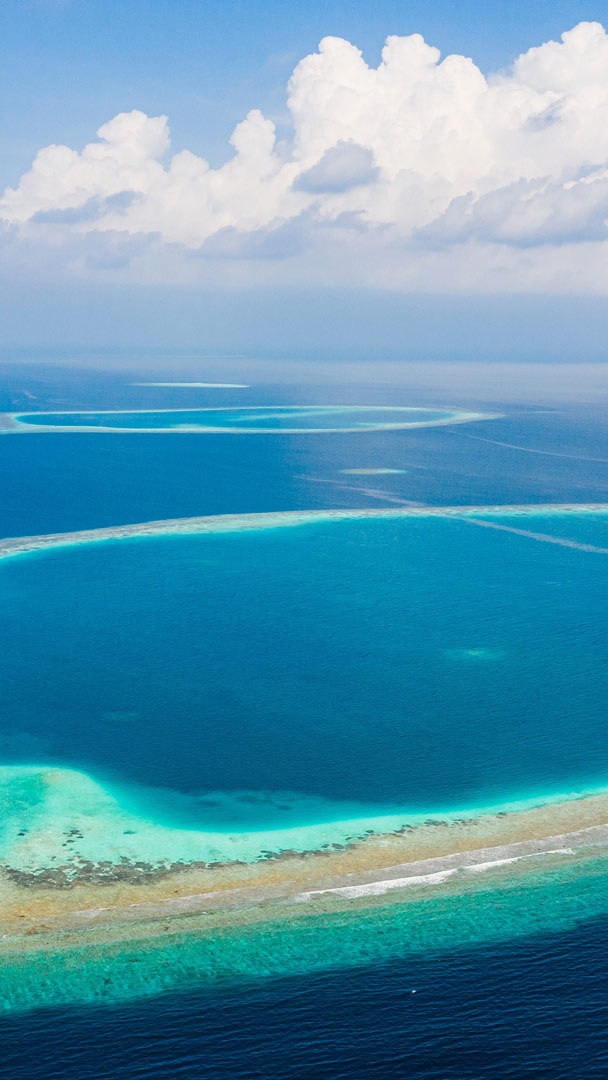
x=343, y=209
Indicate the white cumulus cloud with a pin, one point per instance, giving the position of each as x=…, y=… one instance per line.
x=420, y=173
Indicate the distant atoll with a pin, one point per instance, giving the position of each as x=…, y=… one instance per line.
x=238, y=420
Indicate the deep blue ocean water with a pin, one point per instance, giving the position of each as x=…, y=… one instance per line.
x=528, y=1008
x=62, y=482
x=355, y=660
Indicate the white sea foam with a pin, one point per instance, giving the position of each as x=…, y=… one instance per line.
x=478, y=868
x=378, y=888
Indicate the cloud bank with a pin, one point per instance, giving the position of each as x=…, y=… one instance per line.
x=420, y=174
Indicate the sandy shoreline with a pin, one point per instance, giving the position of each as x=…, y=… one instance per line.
x=391, y=867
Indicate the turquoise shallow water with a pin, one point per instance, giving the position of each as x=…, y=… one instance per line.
x=492, y=910
x=259, y=680
x=279, y=418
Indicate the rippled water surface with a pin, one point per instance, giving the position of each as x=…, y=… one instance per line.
x=479, y=653
x=354, y=661
x=528, y=1009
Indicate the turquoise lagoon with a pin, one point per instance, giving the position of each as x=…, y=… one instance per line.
x=283, y=678
x=288, y=419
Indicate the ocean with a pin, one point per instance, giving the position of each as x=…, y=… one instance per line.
x=530, y=1009
x=369, y=653
x=225, y=682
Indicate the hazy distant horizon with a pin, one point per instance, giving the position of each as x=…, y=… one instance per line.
x=515, y=327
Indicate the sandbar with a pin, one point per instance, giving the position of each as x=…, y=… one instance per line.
x=197, y=385
x=220, y=523
x=128, y=901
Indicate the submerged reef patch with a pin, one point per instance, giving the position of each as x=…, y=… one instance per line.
x=478, y=653
x=373, y=472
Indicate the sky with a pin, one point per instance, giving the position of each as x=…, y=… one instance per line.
x=396, y=174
